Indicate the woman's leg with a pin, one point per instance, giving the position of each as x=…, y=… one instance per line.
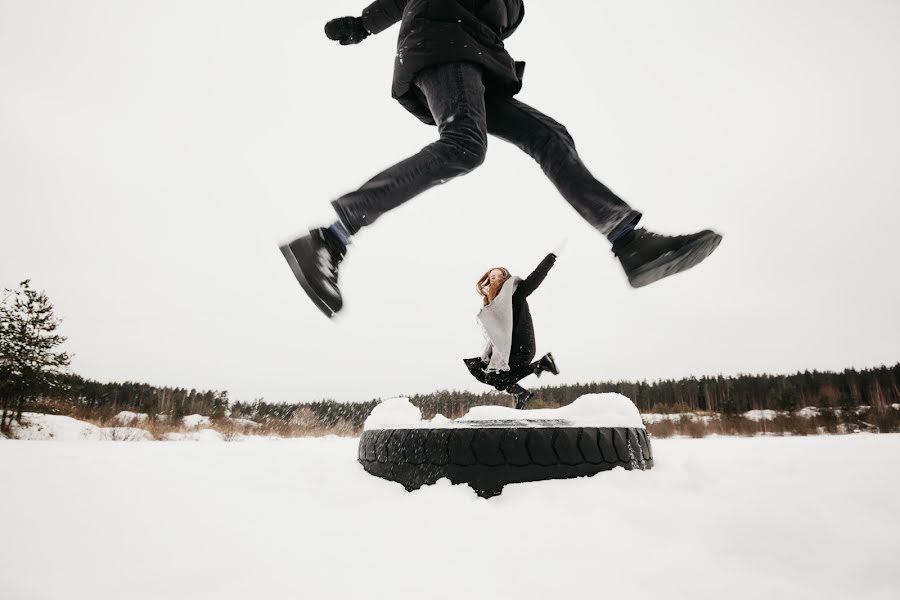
x=476, y=368
x=500, y=380
x=455, y=96
x=549, y=143
x=516, y=373
x=505, y=381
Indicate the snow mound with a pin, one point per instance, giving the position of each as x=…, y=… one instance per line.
x=590, y=410
x=126, y=417
x=761, y=415
x=127, y=434
x=244, y=422
x=808, y=412
x=603, y=410
x=194, y=421
x=204, y=435
x=38, y=426
x=396, y=411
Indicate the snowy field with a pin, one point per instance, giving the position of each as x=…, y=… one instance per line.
x=812, y=517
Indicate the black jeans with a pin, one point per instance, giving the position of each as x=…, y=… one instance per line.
x=500, y=380
x=455, y=94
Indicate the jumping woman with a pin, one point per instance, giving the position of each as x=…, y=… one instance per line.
x=508, y=327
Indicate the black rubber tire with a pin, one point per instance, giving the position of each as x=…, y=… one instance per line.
x=489, y=458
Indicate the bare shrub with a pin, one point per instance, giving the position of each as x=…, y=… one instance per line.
x=157, y=428
x=828, y=421
x=229, y=429
x=693, y=427
x=688, y=425
x=306, y=425
x=662, y=429
x=737, y=425
x=886, y=420
x=801, y=426
x=670, y=409
x=539, y=401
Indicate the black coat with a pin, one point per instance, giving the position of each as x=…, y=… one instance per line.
x=523, y=346
x=434, y=32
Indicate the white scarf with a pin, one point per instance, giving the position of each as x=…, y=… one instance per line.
x=496, y=321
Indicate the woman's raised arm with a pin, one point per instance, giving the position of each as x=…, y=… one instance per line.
x=537, y=276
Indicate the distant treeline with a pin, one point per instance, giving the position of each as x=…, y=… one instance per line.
x=87, y=397
x=877, y=387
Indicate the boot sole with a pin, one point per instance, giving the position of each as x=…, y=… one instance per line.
x=672, y=263
x=297, y=270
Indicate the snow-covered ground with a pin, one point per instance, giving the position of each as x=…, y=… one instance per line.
x=202, y=435
x=44, y=427
x=805, y=517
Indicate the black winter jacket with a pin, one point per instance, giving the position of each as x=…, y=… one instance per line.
x=523, y=346
x=434, y=32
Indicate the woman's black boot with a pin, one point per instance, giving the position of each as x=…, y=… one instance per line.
x=546, y=363
x=521, y=394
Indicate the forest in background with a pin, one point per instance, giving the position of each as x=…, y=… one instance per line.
x=876, y=390
x=34, y=377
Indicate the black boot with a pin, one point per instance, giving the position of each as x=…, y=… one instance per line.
x=546, y=363
x=314, y=259
x=522, y=395
x=647, y=257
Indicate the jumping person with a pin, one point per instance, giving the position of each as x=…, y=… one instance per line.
x=509, y=329
x=452, y=70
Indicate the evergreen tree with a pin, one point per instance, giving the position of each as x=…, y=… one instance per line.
x=786, y=399
x=30, y=363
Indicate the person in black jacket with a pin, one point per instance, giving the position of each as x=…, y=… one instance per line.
x=506, y=320
x=452, y=70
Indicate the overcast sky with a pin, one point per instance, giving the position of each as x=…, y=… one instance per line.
x=152, y=154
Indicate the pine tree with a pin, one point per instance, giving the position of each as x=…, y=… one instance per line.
x=30, y=363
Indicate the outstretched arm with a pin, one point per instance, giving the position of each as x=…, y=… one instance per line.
x=375, y=18
x=381, y=14
x=530, y=283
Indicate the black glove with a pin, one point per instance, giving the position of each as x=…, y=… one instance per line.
x=347, y=30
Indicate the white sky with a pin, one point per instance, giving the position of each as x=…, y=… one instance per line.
x=153, y=153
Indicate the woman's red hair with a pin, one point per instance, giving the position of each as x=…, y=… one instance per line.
x=489, y=290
